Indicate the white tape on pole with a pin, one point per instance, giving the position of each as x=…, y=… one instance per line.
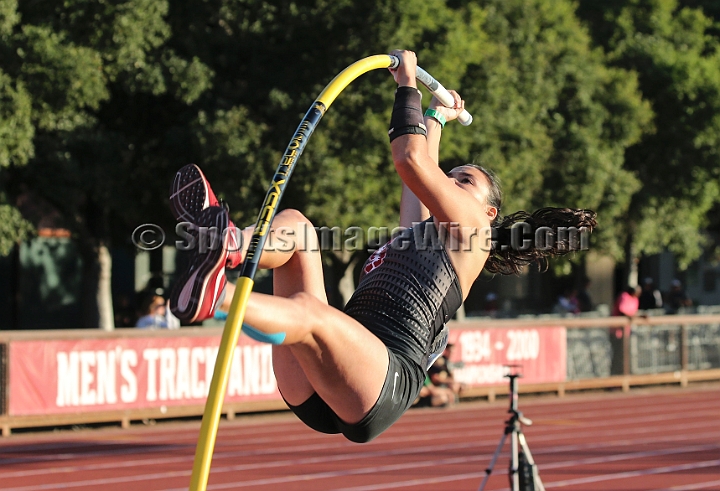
x=438, y=91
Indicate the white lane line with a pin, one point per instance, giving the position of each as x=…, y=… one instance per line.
x=228, y=455
x=480, y=475
x=629, y=474
x=408, y=422
x=461, y=460
x=431, y=459
x=538, y=434
x=691, y=487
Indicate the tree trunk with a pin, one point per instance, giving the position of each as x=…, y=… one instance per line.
x=104, y=291
x=630, y=272
x=97, y=304
x=340, y=279
x=347, y=284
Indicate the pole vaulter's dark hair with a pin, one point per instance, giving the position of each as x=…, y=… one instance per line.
x=506, y=257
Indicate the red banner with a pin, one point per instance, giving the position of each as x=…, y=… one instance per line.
x=480, y=355
x=54, y=377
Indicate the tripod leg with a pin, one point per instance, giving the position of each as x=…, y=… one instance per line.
x=536, y=475
x=526, y=449
x=489, y=470
x=514, y=462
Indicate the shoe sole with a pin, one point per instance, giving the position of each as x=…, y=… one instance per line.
x=189, y=193
x=191, y=298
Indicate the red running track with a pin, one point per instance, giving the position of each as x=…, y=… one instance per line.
x=663, y=439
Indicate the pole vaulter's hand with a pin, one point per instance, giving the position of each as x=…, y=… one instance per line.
x=450, y=113
x=404, y=74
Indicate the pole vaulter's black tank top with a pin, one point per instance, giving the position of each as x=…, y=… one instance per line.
x=408, y=291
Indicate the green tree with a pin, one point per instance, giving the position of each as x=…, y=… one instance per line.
x=105, y=100
x=271, y=60
x=16, y=134
x=674, y=50
x=102, y=107
x=552, y=119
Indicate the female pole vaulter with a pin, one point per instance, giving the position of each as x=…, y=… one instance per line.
x=356, y=371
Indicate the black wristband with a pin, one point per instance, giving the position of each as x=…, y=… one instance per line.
x=407, y=130
x=407, y=116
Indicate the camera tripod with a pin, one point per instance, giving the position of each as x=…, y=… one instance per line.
x=523, y=473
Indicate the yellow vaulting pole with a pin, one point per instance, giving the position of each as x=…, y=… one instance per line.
x=233, y=324
x=343, y=79
x=218, y=386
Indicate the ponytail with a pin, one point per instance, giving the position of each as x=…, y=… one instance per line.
x=523, y=238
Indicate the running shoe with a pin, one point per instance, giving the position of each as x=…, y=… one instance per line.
x=190, y=195
x=198, y=290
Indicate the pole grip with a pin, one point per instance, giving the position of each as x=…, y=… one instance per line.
x=437, y=90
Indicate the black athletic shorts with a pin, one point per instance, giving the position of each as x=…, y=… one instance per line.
x=402, y=385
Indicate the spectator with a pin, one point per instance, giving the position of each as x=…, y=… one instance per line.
x=567, y=302
x=124, y=312
x=154, y=317
x=440, y=373
x=434, y=396
x=584, y=300
x=650, y=298
x=677, y=298
x=627, y=302
x=491, y=304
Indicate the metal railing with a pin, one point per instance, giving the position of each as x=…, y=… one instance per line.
x=670, y=347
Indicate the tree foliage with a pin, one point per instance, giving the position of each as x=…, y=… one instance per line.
x=102, y=100
x=674, y=51
x=553, y=118
x=97, y=104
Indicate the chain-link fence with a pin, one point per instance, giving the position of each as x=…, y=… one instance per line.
x=598, y=352
x=655, y=349
x=595, y=352
x=703, y=346
x=658, y=349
